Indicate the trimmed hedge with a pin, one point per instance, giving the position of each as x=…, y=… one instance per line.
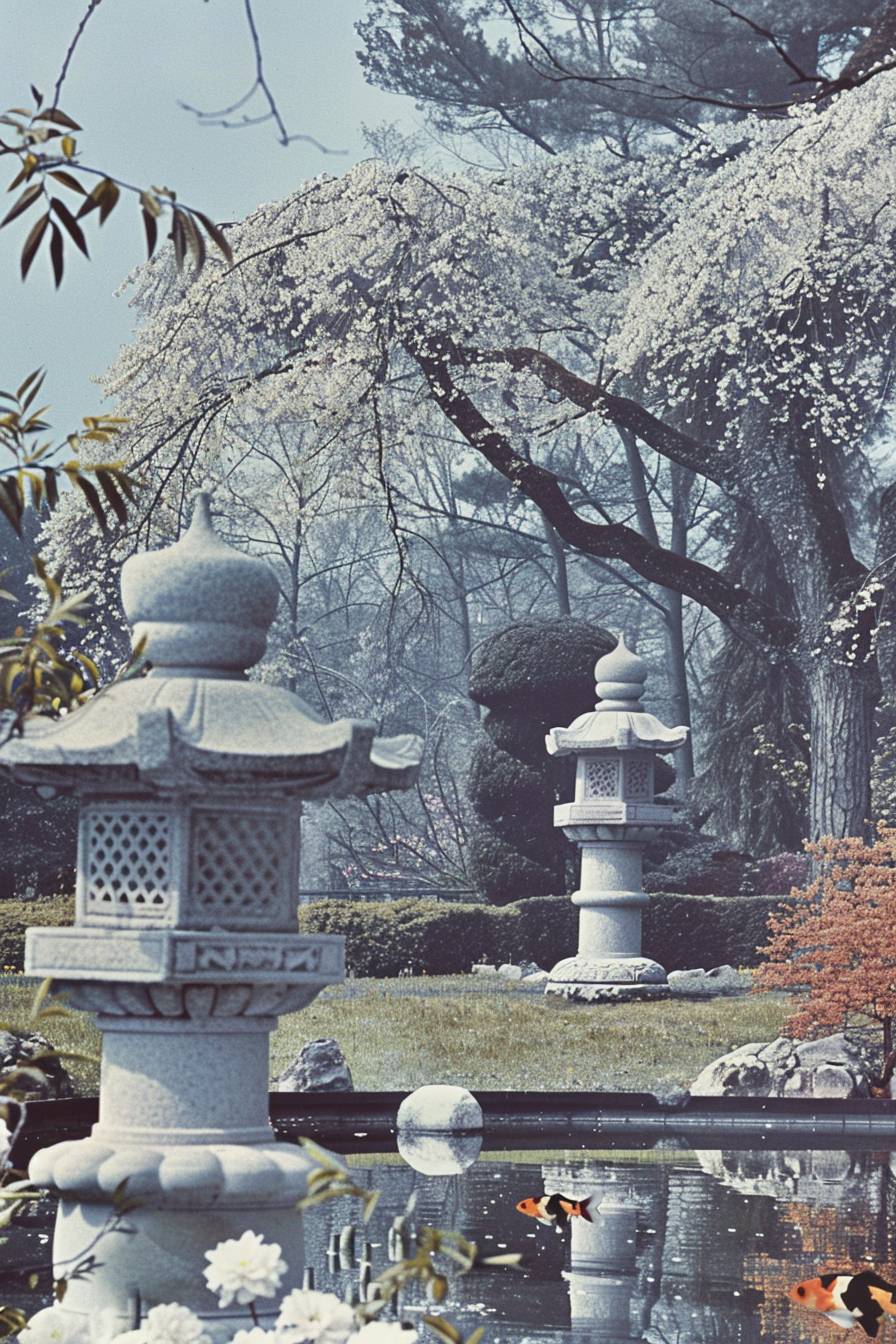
x=17, y=916
x=384, y=938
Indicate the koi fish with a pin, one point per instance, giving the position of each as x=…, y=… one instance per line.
x=848, y=1299
x=555, y=1209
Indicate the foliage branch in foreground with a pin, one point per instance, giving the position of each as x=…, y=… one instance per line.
x=39, y=671
x=835, y=943
x=43, y=141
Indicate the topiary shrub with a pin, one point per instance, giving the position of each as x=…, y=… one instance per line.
x=704, y=869
x=16, y=916
x=385, y=938
x=531, y=677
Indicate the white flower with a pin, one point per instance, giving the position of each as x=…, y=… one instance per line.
x=309, y=1317
x=55, y=1326
x=240, y=1271
x=257, y=1335
x=171, y=1324
x=384, y=1332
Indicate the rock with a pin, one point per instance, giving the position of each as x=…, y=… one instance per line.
x=440, y=1108
x=707, y=984
x=835, y=1066
x=510, y=972
x=536, y=978
x=672, y=1096
x=529, y=968
x=439, y=1154
x=483, y=968
x=19, y=1049
x=321, y=1067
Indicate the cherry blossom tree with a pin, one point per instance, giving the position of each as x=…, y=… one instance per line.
x=728, y=305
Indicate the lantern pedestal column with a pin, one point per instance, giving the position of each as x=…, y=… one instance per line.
x=614, y=814
x=608, y=964
x=183, y=1155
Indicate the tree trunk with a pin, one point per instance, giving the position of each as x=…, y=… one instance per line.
x=561, y=577
x=679, y=693
x=842, y=701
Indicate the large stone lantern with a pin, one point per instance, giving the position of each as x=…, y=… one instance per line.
x=613, y=816
x=190, y=782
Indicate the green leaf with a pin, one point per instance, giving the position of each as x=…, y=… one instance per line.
x=68, y=181
x=94, y=200
x=71, y=225
x=179, y=238
x=56, y=249
x=28, y=197
x=91, y=494
x=23, y=387
x=109, y=200
x=59, y=118
x=195, y=241
x=11, y=504
x=32, y=243
x=51, y=486
x=108, y=487
x=152, y=232
x=216, y=235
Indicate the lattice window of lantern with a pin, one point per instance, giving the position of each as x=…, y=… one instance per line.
x=128, y=862
x=602, y=779
x=637, y=779
x=236, y=863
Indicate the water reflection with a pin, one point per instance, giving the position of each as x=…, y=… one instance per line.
x=685, y=1247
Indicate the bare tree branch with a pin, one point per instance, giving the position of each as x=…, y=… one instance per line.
x=91, y=8
x=259, y=85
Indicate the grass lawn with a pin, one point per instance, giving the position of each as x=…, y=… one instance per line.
x=399, y=1034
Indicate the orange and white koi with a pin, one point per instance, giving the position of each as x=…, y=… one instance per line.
x=848, y=1299
x=555, y=1210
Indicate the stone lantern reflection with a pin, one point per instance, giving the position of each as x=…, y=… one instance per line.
x=190, y=782
x=612, y=817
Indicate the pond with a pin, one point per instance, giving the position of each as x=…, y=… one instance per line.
x=686, y=1244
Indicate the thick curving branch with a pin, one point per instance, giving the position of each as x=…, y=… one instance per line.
x=732, y=603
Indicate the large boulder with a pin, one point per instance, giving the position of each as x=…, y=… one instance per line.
x=835, y=1066
x=321, y=1067
x=20, y=1050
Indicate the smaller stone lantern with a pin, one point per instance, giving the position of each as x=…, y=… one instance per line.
x=613, y=816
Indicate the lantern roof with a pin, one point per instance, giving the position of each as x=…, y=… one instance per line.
x=204, y=609
x=618, y=722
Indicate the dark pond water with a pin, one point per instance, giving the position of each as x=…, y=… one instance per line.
x=686, y=1245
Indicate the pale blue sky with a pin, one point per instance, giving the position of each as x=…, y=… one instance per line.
x=137, y=58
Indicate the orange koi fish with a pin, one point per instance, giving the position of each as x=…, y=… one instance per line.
x=555, y=1209
x=848, y=1299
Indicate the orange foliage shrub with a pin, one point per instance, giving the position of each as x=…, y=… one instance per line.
x=837, y=941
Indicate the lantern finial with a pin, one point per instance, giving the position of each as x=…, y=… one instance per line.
x=620, y=676
x=204, y=607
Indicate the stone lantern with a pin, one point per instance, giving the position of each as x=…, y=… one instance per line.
x=613, y=816
x=190, y=782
